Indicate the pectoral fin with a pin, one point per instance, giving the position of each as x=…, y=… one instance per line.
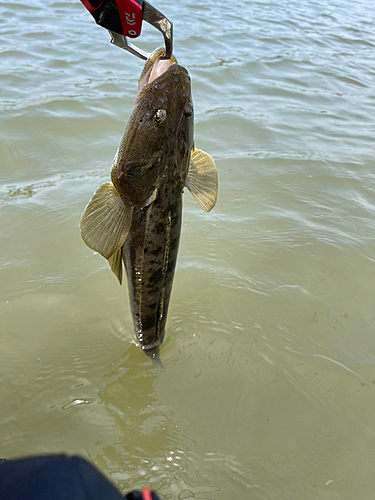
x=105, y=221
x=201, y=179
x=115, y=263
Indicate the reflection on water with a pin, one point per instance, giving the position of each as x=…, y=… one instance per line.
x=265, y=386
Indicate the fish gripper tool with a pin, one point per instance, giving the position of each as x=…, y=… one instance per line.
x=123, y=19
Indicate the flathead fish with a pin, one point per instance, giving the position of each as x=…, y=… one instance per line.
x=136, y=218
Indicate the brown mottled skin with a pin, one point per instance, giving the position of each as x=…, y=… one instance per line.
x=149, y=174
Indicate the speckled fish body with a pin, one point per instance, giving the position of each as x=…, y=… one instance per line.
x=136, y=218
x=151, y=247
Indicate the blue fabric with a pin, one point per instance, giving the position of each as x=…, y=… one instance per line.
x=54, y=477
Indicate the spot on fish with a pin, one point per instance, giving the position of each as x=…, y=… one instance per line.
x=149, y=322
x=157, y=251
x=159, y=228
x=155, y=278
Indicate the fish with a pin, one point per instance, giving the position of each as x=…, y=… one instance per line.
x=135, y=219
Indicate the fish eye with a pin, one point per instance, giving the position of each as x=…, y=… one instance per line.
x=160, y=116
x=188, y=109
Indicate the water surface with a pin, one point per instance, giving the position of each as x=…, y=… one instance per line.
x=267, y=390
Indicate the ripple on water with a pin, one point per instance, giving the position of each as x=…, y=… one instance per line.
x=266, y=374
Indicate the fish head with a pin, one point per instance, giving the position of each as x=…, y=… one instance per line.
x=159, y=136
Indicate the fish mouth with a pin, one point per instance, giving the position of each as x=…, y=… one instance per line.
x=156, y=70
x=154, y=67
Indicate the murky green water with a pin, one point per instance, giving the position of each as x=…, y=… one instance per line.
x=268, y=378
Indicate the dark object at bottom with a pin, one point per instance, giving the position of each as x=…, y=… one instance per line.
x=59, y=477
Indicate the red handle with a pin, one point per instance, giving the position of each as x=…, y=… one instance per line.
x=124, y=18
x=131, y=16
x=89, y=7
x=146, y=494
